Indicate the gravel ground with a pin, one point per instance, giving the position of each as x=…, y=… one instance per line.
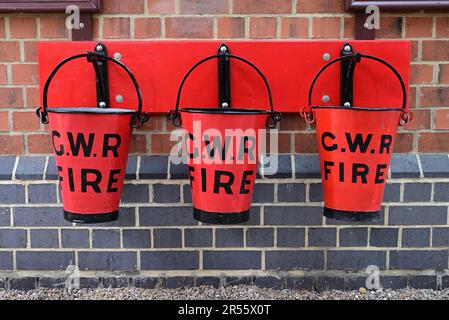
x=208, y=293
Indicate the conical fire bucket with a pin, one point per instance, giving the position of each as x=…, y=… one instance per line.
x=222, y=151
x=355, y=146
x=91, y=148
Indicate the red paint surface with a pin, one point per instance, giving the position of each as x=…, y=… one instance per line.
x=288, y=65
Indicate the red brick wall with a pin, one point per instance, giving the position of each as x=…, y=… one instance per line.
x=20, y=132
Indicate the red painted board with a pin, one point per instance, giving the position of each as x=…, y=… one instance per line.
x=288, y=65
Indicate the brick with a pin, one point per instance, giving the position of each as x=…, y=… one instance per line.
x=417, y=192
x=325, y=283
x=189, y=27
x=215, y=282
x=322, y=237
x=393, y=282
x=416, y=237
x=161, y=143
x=13, y=238
x=443, y=74
x=166, y=193
x=167, y=238
x=75, y=238
x=27, y=283
x=390, y=27
x=306, y=143
x=319, y=6
x=293, y=216
x=116, y=28
x=116, y=282
x=25, y=74
x=392, y=192
x=263, y=28
x=291, y=192
x=105, y=238
x=434, y=97
x=269, y=282
x=187, y=193
x=161, y=6
x=441, y=192
x=237, y=281
x=442, y=119
x=442, y=27
x=52, y=283
x=147, y=28
x=231, y=260
x=154, y=167
x=355, y=260
x=440, y=237
x=418, y=259
x=178, y=171
x=31, y=168
x=145, y=282
x=304, y=283
x=203, y=6
x=353, y=237
x=418, y=27
x=9, y=51
x=294, y=28
x=260, y=237
x=404, y=166
x=123, y=7
x=284, y=168
x=325, y=27
x=167, y=216
x=44, y=260
x=12, y=194
x=89, y=283
x=39, y=144
x=229, y=237
x=307, y=166
x=43, y=238
x=6, y=260
x=53, y=27
x=424, y=282
x=135, y=193
x=435, y=166
x=262, y=6
x=138, y=144
x=51, y=173
x=169, y=260
x=435, y=50
x=30, y=50
x=4, y=120
x=198, y=238
x=11, y=97
x=421, y=120
x=291, y=237
x=109, y=261
x=445, y=282
x=404, y=143
x=230, y=27
x=2, y=28
x=131, y=168
x=11, y=145
x=39, y=217
x=127, y=218
x=42, y=193
x=383, y=237
x=134, y=238
x=316, y=192
x=178, y=282
x=263, y=193
x=433, y=142
x=422, y=215
x=22, y=27
x=288, y=260
x=5, y=217
x=349, y=27
x=421, y=73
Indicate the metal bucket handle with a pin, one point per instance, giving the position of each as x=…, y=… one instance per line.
x=175, y=117
x=406, y=115
x=139, y=117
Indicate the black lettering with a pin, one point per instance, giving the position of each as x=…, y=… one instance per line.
x=191, y=177
x=94, y=184
x=113, y=179
x=71, y=180
x=250, y=151
x=385, y=143
x=342, y=171
x=380, y=173
x=245, y=182
x=225, y=185
x=323, y=142
x=326, y=169
x=203, y=180
x=195, y=150
x=59, y=151
x=61, y=179
x=216, y=145
x=81, y=142
x=360, y=170
x=358, y=142
x=107, y=146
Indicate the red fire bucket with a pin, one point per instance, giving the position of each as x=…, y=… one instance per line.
x=355, y=146
x=91, y=148
x=222, y=155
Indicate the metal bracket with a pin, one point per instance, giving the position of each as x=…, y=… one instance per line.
x=347, y=67
x=102, y=79
x=224, y=77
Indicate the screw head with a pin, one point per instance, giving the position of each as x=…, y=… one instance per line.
x=347, y=104
x=347, y=48
x=81, y=25
x=119, y=98
x=223, y=49
x=225, y=105
x=99, y=48
x=117, y=56
x=326, y=56
x=325, y=99
x=102, y=104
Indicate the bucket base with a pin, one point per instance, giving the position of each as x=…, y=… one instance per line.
x=220, y=217
x=356, y=216
x=91, y=218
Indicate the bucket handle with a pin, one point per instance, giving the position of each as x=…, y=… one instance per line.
x=139, y=117
x=175, y=117
x=406, y=115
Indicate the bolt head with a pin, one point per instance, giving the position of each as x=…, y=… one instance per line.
x=119, y=98
x=225, y=105
x=102, y=104
x=99, y=48
x=347, y=48
x=347, y=104
x=117, y=56
x=223, y=49
x=81, y=25
x=325, y=99
x=326, y=56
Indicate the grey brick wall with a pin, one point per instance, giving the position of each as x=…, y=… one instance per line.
x=286, y=244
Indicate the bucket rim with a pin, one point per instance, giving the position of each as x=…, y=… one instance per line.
x=234, y=111
x=358, y=108
x=93, y=110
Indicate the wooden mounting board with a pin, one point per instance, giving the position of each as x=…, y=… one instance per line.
x=288, y=65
